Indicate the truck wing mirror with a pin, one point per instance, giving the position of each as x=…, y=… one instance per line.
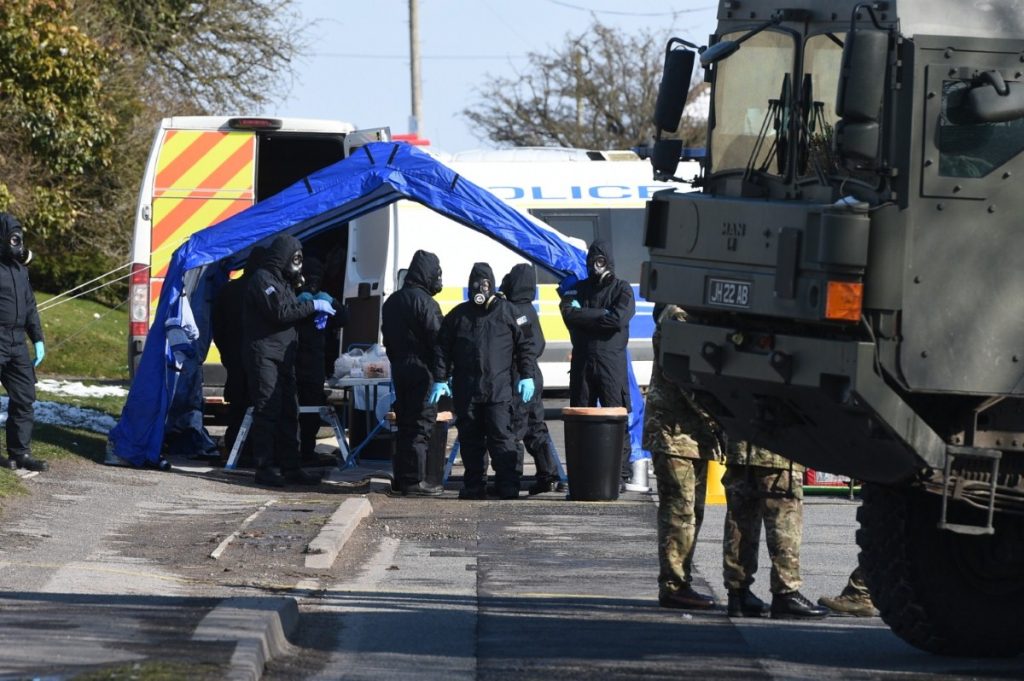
x=668, y=109
x=859, y=99
x=675, y=84
x=995, y=101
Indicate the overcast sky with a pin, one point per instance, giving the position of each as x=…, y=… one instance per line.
x=359, y=67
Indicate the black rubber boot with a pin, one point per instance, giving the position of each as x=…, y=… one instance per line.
x=29, y=463
x=269, y=476
x=297, y=476
x=423, y=489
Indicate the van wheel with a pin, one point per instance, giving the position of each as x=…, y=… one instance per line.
x=947, y=593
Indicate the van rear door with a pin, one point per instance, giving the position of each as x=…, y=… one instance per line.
x=202, y=177
x=368, y=242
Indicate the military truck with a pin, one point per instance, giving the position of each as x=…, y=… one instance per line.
x=850, y=270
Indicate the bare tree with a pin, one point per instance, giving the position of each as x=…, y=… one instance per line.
x=596, y=91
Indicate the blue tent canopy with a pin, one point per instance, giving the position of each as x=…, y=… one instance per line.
x=372, y=177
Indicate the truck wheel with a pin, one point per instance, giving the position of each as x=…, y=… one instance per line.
x=947, y=593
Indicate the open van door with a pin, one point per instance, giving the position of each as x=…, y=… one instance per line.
x=369, y=238
x=359, y=138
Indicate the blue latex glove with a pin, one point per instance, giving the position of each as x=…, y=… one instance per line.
x=568, y=284
x=323, y=306
x=526, y=388
x=575, y=303
x=40, y=353
x=323, y=295
x=437, y=390
x=304, y=296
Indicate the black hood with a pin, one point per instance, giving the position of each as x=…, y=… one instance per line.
x=479, y=273
x=280, y=253
x=8, y=224
x=520, y=284
x=254, y=261
x=600, y=247
x=423, y=269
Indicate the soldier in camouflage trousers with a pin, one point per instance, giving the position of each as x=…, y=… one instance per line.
x=763, y=487
x=681, y=439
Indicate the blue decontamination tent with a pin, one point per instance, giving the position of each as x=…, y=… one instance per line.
x=372, y=177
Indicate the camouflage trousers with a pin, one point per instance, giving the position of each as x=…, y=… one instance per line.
x=756, y=496
x=682, y=485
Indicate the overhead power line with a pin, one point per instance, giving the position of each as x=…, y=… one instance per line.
x=630, y=14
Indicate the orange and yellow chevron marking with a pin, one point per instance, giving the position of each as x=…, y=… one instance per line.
x=202, y=178
x=195, y=164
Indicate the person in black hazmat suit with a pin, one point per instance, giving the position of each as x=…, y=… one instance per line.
x=18, y=318
x=519, y=287
x=483, y=345
x=410, y=320
x=597, y=313
x=226, y=327
x=269, y=316
x=310, y=370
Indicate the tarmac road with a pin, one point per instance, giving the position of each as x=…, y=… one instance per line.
x=109, y=569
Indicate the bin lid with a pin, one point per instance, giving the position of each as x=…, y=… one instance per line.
x=594, y=411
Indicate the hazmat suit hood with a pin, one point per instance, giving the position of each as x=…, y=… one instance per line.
x=600, y=264
x=254, y=261
x=481, y=284
x=280, y=258
x=12, y=240
x=520, y=284
x=424, y=271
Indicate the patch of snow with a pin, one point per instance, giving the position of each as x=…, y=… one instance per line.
x=79, y=389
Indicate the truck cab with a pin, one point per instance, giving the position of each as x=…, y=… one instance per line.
x=848, y=269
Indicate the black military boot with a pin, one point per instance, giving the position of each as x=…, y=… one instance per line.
x=7, y=463
x=795, y=606
x=542, y=486
x=685, y=598
x=29, y=463
x=743, y=603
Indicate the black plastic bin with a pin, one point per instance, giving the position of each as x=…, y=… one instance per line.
x=437, y=452
x=593, y=451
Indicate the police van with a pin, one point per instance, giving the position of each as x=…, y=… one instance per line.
x=583, y=194
x=204, y=169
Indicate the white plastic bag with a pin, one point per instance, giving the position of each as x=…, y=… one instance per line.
x=345, y=363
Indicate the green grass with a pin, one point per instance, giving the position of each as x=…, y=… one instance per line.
x=84, y=339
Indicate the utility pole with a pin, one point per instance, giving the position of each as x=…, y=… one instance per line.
x=414, y=68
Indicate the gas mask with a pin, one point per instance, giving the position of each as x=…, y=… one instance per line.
x=292, y=270
x=481, y=292
x=599, y=269
x=14, y=248
x=435, y=285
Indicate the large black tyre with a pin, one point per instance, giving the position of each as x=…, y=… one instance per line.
x=950, y=594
